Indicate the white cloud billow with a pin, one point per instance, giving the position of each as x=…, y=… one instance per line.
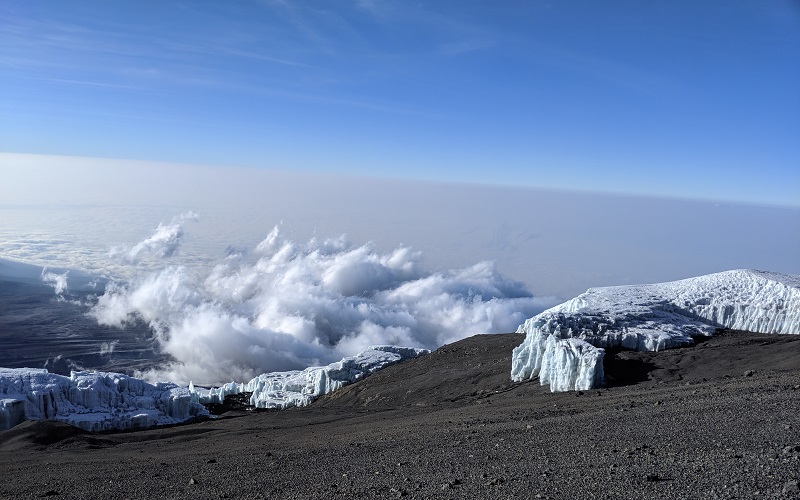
x=290, y=305
x=107, y=348
x=57, y=281
x=164, y=242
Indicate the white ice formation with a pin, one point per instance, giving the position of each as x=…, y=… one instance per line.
x=279, y=390
x=99, y=401
x=93, y=401
x=564, y=344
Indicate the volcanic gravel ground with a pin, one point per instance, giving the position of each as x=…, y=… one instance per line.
x=717, y=420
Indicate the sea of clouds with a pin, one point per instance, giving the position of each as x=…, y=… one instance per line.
x=287, y=305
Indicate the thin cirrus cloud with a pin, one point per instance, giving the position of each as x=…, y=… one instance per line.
x=538, y=95
x=112, y=61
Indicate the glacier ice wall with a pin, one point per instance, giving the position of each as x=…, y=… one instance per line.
x=99, y=401
x=564, y=345
x=93, y=401
x=279, y=390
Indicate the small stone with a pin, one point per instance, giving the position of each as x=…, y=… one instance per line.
x=749, y=373
x=211, y=461
x=51, y=493
x=791, y=450
x=192, y=481
x=579, y=393
x=450, y=484
x=791, y=488
x=651, y=478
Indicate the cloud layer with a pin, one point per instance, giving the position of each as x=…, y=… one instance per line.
x=287, y=305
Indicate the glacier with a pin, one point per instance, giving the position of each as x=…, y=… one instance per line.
x=101, y=401
x=93, y=401
x=280, y=390
x=564, y=346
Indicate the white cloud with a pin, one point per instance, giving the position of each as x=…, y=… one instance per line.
x=57, y=281
x=164, y=242
x=293, y=305
x=108, y=347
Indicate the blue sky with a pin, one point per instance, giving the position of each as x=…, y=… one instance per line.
x=681, y=98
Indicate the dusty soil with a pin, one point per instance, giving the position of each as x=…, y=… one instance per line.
x=716, y=420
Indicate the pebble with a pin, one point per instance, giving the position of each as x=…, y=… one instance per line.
x=791, y=450
x=791, y=488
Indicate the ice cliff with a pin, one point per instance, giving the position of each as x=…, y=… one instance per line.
x=93, y=401
x=279, y=390
x=98, y=401
x=564, y=345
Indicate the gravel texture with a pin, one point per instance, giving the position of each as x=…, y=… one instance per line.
x=717, y=420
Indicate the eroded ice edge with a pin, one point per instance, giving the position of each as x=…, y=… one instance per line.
x=564, y=344
x=99, y=401
x=281, y=390
x=93, y=401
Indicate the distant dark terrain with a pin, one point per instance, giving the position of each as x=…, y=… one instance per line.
x=40, y=330
x=716, y=420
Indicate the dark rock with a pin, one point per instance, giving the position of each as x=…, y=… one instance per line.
x=451, y=484
x=791, y=450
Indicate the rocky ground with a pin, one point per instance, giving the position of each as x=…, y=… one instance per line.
x=717, y=420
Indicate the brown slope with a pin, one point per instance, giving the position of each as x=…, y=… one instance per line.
x=666, y=437
x=481, y=365
x=468, y=368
